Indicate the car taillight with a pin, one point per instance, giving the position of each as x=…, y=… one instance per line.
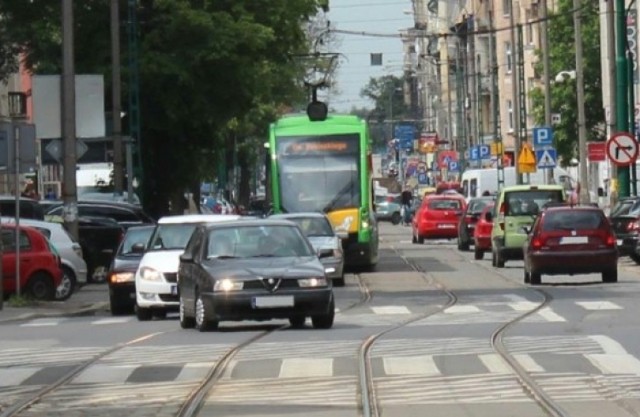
x=610, y=240
x=536, y=243
x=633, y=226
x=501, y=212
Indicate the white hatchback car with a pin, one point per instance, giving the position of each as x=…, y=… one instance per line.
x=73, y=266
x=157, y=274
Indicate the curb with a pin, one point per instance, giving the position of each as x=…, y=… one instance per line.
x=78, y=312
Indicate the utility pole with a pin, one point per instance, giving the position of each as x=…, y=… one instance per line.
x=495, y=101
x=514, y=89
x=611, y=55
x=582, y=128
x=622, y=106
x=547, y=76
x=69, y=190
x=472, y=76
x=116, y=98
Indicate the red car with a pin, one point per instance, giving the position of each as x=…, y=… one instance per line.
x=482, y=233
x=40, y=272
x=438, y=217
x=571, y=240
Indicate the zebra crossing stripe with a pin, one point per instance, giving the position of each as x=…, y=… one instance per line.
x=41, y=323
x=15, y=376
x=598, y=305
x=615, y=364
x=528, y=363
x=410, y=365
x=194, y=371
x=390, y=310
x=306, y=367
x=100, y=374
x=462, y=309
x=112, y=320
x=495, y=364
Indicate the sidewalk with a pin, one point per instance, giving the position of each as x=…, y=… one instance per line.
x=86, y=301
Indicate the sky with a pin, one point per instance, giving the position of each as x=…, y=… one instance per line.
x=354, y=72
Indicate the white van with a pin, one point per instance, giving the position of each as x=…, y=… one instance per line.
x=475, y=182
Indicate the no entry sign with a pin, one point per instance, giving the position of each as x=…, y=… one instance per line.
x=622, y=149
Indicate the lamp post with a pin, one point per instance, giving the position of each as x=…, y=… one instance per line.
x=582, y=130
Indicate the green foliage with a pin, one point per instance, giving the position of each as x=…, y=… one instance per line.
x=21, y=301
x=563, y=94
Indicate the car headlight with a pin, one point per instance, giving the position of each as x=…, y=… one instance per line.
x=150, y=274
x=228, y=285
x=337, y=253
x=312, y=282
x=365, y=224
x=117, y=277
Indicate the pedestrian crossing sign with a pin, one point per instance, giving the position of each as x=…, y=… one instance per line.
x=546, y=158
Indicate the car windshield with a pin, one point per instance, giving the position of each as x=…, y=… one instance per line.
x=171, y=236
x=135, y=235
x=445, y=205
x=476, y=206
x=573, y=220
x=314, y=226
x=529, y=202
x=626, y=208
x=256, y=242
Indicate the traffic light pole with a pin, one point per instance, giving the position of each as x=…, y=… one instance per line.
x=622, y=105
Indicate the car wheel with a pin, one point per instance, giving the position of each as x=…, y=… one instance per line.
x=396, y=218
x=143, y=314
x=535, y=278
x=118, y=307
x=420, y=239
x=635, y=257
x=40, y=286
x=610, y=275
x=67, y=285
x=499, y=260
x=478, y=254
x=325, y=321
x=338, y=282
x=462, y=245
x=203, y=322
x=493, y=258
x=186, y=322
x=297, y=322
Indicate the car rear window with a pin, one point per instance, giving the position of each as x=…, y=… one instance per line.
x=476, y=206
x=445, y=205
x=530, y=202
x=573, y=220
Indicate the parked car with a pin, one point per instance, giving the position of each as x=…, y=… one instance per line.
x=157, y=274
x=469, y=219
x=29, y=208
x=74, y=268
x=126, y=215
x=325, y=241
x=482, y=232
x=388, y=208
x=516, y=209
x=122, y=271
x=571, y=240
x=252, y=270
x=437, y=217
x=625, y=219
x=40, y=271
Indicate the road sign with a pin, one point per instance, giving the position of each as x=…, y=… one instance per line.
x=453, y=166
x=406, y=134
x=622, y=149
x=596, y=151
x=474, y=153
x=55, y=149
x=546, y=158
x=542, y=136
x=422, y=178
x=496, y=148
x=484, y=151
x=526, y=159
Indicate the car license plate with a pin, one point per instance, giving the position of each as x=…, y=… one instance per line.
x=174, y=290
x=619, y=242
x=273, y=301
x=573, y=240
x=446, y=226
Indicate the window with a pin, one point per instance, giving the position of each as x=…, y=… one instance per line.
x=573, y=220
x=506, y=7
x=465, y=188
x=508, y=56
x=9, y=240
x=510, y=111
x=474, y=187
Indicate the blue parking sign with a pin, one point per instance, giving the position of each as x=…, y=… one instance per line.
x=542, y=136
x=474, y=153
x=453, y=166
x=484, y=151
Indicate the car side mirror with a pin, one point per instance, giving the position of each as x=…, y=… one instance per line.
x=186, y=258
x=527, y=229
x=488, y=216
x=600, y=192
x=138, y=248
x=342, y=234
x=325, y=253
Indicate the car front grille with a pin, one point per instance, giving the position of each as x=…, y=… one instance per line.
x=168, y=298
x=258, y=285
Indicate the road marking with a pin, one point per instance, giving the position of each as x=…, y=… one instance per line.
x=113, y=320
x=306, y=367
x=615, y=364
x=528, y=363
x=42, y=323
x=495, y=363
x=462, y=309
x=15, y=376
x=391, y=310
x=97, y=374
x=608, y=345
x=550, y=315
x=523, y=305
x=410, y=365
x=598, y=305
x=194, y=371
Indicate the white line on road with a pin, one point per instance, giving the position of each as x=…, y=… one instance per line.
x=114, y=320
x=523, y=305
x=42, y=323
x=598, y=305
x=306, y=367
x=495, y=364
x=97, y=374
x=550, y=315
x=15, y=376
x=528, y=363
x=410, y=365
x=608, y=345
x=194, y=371
x=462, y=309
x=391, y=310
x=615, y=364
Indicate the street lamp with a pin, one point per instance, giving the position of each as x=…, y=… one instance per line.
x=582, y=132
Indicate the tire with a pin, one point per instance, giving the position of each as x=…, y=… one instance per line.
x=185, y=321
x=493, y=258
x=635, y=257
x=610, y=276
x=325, y=321
x=143, y=314
x=297, y=322
x=67, y=285
x=535, y=278
x=338, y=282
x=396, y=218
x=499, y=260
x=420, y=239
x=202, y=321
x=40, y=287
x=478, y=254
x=463, y=246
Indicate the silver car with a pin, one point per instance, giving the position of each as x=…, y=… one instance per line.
x=70, y=252
x=326, y=242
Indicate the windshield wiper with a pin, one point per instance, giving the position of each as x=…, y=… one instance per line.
x=335, y=199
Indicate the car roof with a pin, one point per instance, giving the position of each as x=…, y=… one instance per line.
x=254, y=222
x=444, y=197
x=298, y=215
x=572, y=208
x=528, y=187
x=31, y=222
x=198, y=218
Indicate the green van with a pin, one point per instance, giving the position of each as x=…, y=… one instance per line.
x=515, y=210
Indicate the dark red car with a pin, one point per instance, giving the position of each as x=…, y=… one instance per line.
x=571, y=240
x=40, y=272
x=438, y=217
x=482, y=233
x=469, y=219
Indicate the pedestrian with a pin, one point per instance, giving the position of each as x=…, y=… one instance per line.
x=406, y=199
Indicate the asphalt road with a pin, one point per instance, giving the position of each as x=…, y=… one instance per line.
x=432, y=331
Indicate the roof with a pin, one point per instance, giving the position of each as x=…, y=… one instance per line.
x=527, y=187
x=451, y=196
x=30, y=222
x=569, y=207
x=198, y=218
x=255, y=223
x=298, y=215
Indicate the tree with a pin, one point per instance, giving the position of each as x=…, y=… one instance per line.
x=563, y=94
